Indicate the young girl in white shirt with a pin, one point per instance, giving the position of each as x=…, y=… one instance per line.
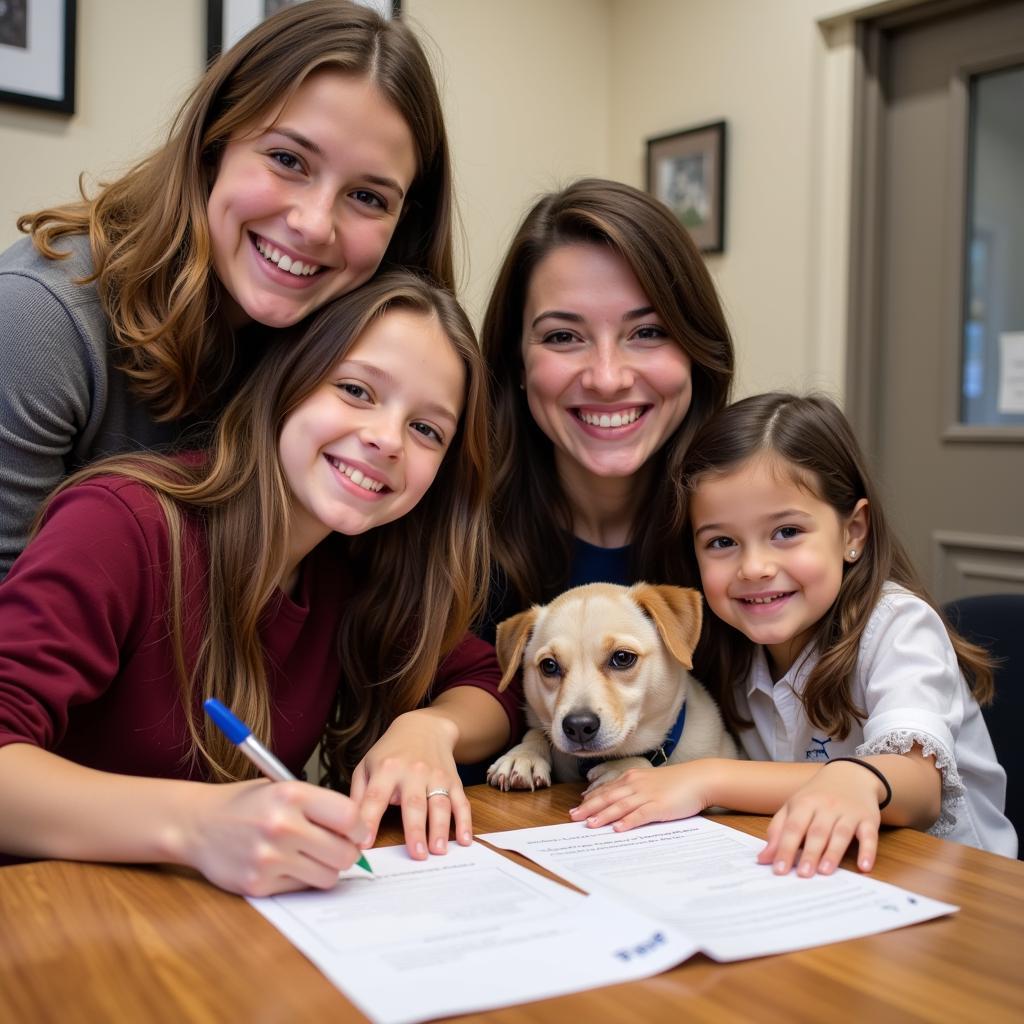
x=825, y=653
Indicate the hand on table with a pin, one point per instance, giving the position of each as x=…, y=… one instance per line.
x=839, y=804
x=643, y=795
x=412, y=759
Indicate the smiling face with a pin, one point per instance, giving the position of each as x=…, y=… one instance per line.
x=363, y=447
x=604, y=380
x=304, y=205
x=771, y=553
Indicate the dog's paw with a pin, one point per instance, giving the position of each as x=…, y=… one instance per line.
x=609, y=771
x=519, y=769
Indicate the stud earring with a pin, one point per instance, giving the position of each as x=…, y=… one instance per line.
x=853, y=553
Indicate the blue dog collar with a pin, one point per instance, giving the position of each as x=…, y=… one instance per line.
x=657, y=757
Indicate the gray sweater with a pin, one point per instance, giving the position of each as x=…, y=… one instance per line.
x=63, y=402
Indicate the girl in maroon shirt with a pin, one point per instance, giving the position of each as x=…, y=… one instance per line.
x=316, y=565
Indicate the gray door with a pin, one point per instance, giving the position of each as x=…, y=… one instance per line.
x=937, y=326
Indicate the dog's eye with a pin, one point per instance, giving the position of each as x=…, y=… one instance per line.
x=622, y=659
x=549, y=667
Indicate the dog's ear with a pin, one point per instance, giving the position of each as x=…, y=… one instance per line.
x=511, y=641
x=677, y=612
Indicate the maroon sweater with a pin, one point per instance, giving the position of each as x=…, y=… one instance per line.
x=86, y=666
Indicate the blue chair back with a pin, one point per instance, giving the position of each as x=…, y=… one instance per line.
x=996, y=622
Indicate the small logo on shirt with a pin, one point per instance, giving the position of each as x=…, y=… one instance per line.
x=818, y=753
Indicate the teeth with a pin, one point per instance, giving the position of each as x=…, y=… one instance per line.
x=615, y=419
x=284, y=262
x=356, y=476
x=763, y=600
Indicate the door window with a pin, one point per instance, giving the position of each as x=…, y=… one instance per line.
x=992, y=361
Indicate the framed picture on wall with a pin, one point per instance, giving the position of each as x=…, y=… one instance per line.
x=228, y=20
x=37, y=54
x=686, y=171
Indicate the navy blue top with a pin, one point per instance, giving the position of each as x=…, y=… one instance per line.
x=591, y=564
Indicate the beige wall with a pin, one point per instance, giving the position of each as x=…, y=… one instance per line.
x=538, y=92
x=759, y=66
x=526, y=87
x=137, y=60
x=560, y=88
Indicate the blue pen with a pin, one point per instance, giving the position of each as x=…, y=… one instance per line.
x=241, y=735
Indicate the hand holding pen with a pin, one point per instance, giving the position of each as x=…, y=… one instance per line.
x=318, y=806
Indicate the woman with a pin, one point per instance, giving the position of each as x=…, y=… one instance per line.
x=309, y=154
x=608, y=348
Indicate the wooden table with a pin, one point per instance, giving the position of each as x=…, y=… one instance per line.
x=84, y=942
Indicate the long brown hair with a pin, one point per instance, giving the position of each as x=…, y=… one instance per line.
x=814, y=440
x=420, y=579
x=532, y=516
x=148, y=230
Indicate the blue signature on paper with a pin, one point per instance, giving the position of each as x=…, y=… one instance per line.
x=642, y=948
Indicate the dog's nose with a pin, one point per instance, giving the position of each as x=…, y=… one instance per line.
x=581, y=726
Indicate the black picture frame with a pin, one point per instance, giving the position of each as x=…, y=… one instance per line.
x=37, y=54
x=218, y=14
x=686, y=171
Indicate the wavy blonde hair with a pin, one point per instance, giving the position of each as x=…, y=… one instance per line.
x=148, y=230
x=420, y=578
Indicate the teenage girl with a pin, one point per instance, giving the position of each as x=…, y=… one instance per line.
x=828, y=657
x=317, y=564
x=308, y=155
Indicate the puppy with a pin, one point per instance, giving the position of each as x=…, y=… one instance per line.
x=604, y=674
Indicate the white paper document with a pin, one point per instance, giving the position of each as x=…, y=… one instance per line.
x=467, y=931
x=702, y=878
x=1011, y=373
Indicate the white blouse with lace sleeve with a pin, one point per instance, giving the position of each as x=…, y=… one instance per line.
x=908, y=681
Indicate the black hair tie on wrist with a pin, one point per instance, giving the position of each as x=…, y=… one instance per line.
x=875, y=771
